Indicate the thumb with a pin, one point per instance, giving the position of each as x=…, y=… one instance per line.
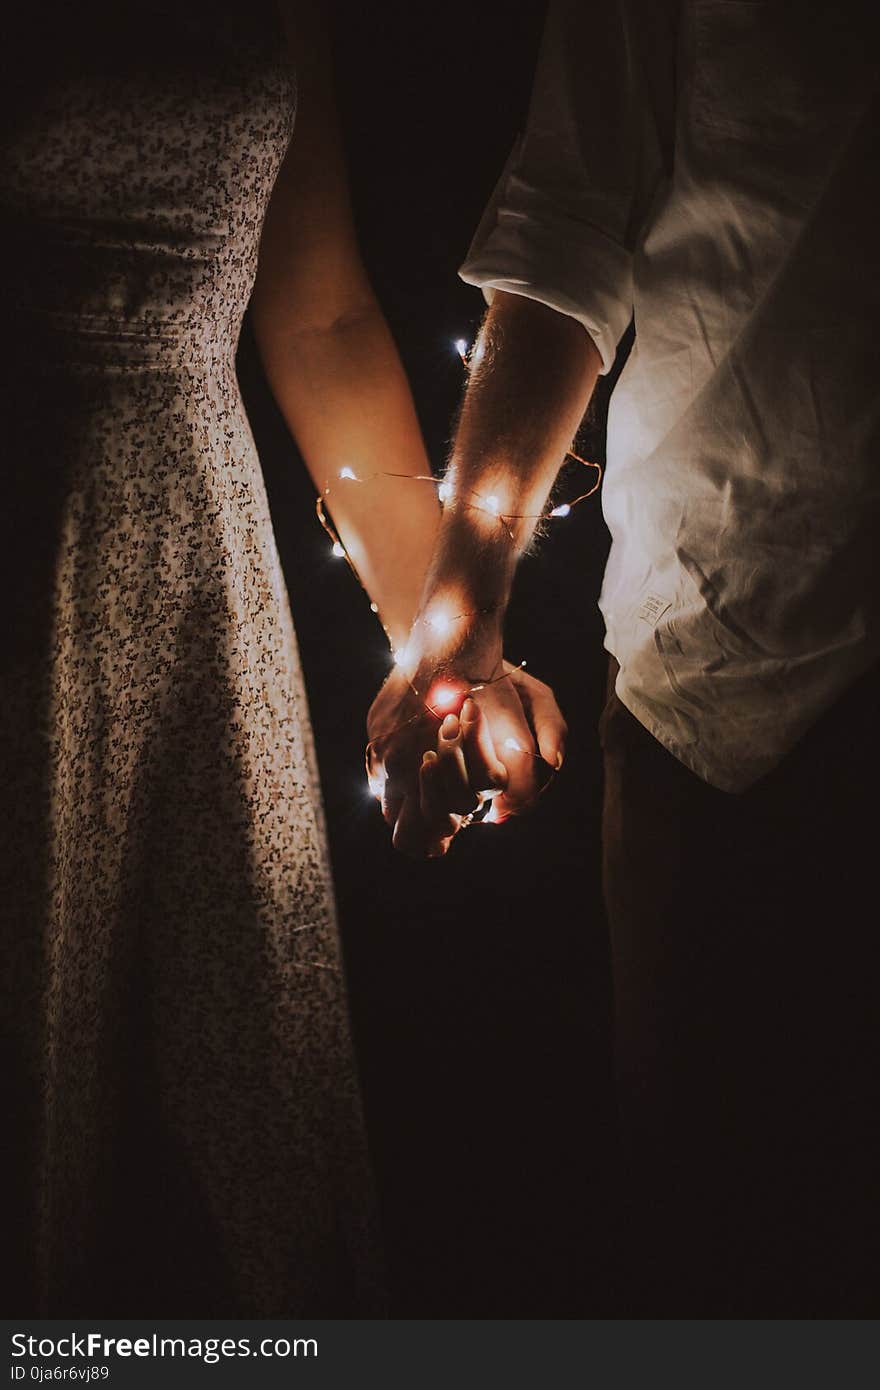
x=485, y=770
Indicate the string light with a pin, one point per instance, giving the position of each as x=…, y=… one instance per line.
x=376, y=779
x=403, y=657
x=490, y=504
x=440, y=622
x=445, y=697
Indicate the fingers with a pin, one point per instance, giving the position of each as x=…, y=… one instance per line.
x=520, y=791
x=398, y=758
x=430, y=813
x=451, y=775
x=448, y=788
x=426, y=826
x=485, y=772
x=424, y=804
x=392, y=804
x=433, y=803
x=441, y=824
x=545, y=715
x=414, y=837
x=489, y=748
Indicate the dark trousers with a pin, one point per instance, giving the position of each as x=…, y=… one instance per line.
x=744, y=936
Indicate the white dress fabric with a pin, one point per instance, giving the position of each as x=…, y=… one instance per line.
x=187, y=1136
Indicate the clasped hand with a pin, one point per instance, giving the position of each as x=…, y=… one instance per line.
x=434, y=770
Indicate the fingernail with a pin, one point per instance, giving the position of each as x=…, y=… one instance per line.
x=469, y=710
x=429, y=757
x=449, y=727
x=557, y=761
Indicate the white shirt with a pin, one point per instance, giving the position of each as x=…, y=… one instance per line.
x=710, y=167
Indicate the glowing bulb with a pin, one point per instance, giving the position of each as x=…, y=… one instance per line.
x=443, y=696
x=461, y=347
x=512, y=745
x=562, y=510
x=492, y=504
x=376, y=783
x=401, y=656
x=491, y=816
x=374, y=608
x=348, y=473
x=338, y=550
x=444, y=492
x=440, y=623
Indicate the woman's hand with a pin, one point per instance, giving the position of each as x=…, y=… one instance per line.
x=435, y=756
x=404, y=730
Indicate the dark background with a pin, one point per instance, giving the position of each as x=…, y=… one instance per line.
x=479, y=983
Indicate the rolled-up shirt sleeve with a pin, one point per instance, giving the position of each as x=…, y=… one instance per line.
x=563, y=221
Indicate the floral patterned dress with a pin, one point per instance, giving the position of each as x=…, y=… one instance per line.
x=184, y=1133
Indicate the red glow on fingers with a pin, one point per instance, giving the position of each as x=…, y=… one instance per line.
x=445, y=697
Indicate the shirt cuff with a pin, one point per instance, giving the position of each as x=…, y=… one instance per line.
x=571, y=267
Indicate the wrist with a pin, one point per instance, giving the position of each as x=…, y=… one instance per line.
x=397, y=618
x=466, y=648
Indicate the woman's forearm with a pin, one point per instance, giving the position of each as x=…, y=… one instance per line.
x=328, y=354
x=345, y=397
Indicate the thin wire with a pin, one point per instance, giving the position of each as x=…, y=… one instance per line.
x=554, y=513
x=557, y=513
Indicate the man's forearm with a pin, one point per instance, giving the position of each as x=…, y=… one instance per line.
x=533, y=372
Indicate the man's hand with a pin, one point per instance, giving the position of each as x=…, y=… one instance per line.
x=434, y=769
